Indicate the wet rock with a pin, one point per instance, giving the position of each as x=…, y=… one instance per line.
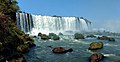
x=49, y=46
x=31, y=44
x=97, y=57
x=23, y=48
x=61, y=50
x=17, y=58
x=39, y=34
x=78, y=36
x=53, y=36
x=34, y=36
x=111, y=39
x=43, y=36
x=60, y=34
x=106, y=38
x=103, y=38
x=96, y=45
x=69, y=50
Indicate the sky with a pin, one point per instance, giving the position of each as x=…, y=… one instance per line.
x=104, y=14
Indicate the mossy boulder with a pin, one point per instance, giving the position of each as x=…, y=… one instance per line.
x=103, y=38
x=53, y=36
x=44, y=36
x=96, y=57
x=106, y=38
x=56, y=37
x=23, y=48
x=96, y=45
x=78, y=36
x=31, y=44
x=111, y=39
x=91, y=35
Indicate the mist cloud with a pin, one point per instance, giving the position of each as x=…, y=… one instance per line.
x=112, y=25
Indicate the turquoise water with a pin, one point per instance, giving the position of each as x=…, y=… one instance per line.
x=42, y=53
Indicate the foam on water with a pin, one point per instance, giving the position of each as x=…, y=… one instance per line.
x=107, y=44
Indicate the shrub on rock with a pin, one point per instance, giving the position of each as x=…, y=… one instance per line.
x=96, y=45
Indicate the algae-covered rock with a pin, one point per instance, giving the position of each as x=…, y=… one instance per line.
x=106, y=38
x=111, y=39
x=23, y=48
x=96, y=45
x=78, y=36
x=53, y=36
x=103, y=38
x=43, y=36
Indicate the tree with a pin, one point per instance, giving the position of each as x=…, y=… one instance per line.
x=8, y=6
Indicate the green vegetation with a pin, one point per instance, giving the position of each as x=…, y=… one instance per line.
x=8, y=7
x=12, y=39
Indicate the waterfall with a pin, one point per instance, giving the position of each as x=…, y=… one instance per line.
x=46, y=24
x=24, y=22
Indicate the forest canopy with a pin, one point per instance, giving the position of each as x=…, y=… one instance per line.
x=8, y=6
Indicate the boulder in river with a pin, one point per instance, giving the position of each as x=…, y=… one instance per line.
x=61, y=50
x=103, y=38
x=96, y=57
x=78, y=36
x=53, y=36
x=111, y=39
x=96, y=45
x=43, y=36
x=106, y=38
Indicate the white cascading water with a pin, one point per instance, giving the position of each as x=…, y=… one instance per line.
x=47, y=24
